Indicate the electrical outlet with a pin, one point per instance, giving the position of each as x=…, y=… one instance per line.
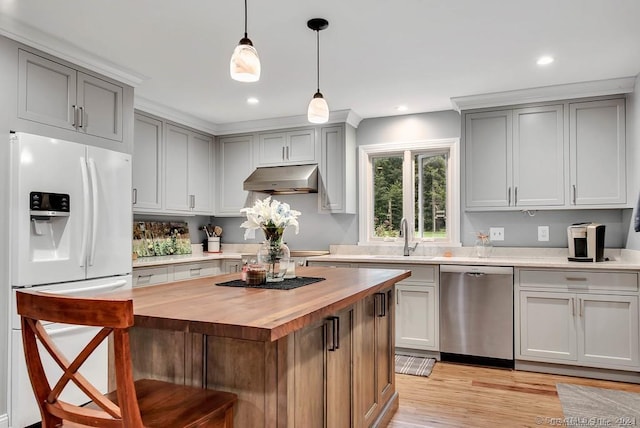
x=543, y=233
x=496, y=233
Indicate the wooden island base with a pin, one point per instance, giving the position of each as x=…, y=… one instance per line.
x=330, y=363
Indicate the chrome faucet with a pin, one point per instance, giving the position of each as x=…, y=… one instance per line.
x=404, y=232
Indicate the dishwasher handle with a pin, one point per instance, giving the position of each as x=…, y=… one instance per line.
x=469, y=269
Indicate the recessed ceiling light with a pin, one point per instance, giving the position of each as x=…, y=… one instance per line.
x=544, y=60
x=252, y=100
x=402, y=108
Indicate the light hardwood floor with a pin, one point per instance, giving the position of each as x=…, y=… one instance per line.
x=457, y=395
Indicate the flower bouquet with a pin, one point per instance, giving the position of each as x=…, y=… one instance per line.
x=273, y=217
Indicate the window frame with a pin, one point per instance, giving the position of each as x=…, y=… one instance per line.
x=365, y=187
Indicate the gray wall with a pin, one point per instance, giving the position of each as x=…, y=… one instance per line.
x=633, y=166
x=318, y=231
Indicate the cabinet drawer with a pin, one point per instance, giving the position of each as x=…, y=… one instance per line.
x=579, y=280
x=150, y=276
x=195, y=270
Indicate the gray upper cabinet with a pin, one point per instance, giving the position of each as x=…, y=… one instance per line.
x=290, y=147
x=538, y=157
x=597, y=145
x=57, y=95
x=235, y=164
x=337, y=170
x=188, y=174
x=561, y=156
x=488, y=146
x=147, y=164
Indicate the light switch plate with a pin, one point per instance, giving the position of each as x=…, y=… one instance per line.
x=496, y=233
x=543, y=233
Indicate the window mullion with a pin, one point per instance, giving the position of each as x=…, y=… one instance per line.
x=408, y=186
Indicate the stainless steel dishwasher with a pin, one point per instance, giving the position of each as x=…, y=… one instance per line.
x=476, y=314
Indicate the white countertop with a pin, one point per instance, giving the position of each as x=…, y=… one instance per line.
x=186, y=258
x=618, y=263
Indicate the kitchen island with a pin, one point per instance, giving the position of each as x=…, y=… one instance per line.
x=315, y=356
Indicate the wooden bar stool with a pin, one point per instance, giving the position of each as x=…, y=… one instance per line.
x=143, y=403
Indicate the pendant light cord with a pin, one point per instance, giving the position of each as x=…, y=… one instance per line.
x=317, y=57
x=245, y=19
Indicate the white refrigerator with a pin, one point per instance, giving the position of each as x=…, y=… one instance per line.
x=70, y=225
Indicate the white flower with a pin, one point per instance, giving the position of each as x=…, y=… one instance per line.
x=269, y=213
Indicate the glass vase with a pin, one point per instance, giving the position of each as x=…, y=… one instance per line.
x=273, y=250
x=483, y=245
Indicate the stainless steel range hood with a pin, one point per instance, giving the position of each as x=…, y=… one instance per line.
x=284, y=179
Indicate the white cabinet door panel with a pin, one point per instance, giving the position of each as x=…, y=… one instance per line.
x=416, y=317
x=235, y=164
x=538, y=156
x=597, y=144
x=488, y=146
x=147, y=163
x=301, y=146
x=608, y=329
x=547, y=325
x=176, y=181
x=100, y=107
x=200, y=174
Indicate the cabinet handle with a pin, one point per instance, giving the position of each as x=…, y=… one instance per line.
x=81, y=113
x=135, y=196
x=287, y=153
x=283, y=158
x=573, y=307
x=515, y=196
x=382, y=308
x=192, y=201
x=509, y=196
x=573, y=187
x=75, y=115
x=397, y=296
x=580, y=306
x=194, y=271
x=575, y=278
x=335, y=334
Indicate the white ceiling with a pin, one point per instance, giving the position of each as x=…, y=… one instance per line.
x=374, y=56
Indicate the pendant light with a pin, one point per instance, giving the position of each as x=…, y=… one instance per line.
x=318, y=111
x=245, y=64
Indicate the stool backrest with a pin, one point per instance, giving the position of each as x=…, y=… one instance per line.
x=115, y=316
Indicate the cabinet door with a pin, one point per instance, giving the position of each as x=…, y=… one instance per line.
x=147, y=164
x=538, y=156
x=272, y=148
x=608, y=329
x=337, y=170
x=597, y=152
x=46, y=91
x=301, y=146
x=200, y=181
x=234, y=165
x=176, y=171
x=488, y=145
x=100, y=107
x=231, y=266
x=416, y=318
x=339, y=374
x=385, y=345
x=548, y=325
x=150, y=276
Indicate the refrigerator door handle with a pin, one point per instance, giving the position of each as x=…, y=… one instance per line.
x=94, y=197
x=85, y=222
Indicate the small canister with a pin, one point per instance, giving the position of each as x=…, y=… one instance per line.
x=256, y=274
x=213, y=244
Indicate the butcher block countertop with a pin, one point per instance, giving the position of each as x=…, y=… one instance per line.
x=201, y=306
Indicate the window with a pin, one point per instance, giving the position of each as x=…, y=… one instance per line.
x=417, y=181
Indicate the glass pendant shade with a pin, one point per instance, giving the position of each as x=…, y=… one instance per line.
x=318, y=111
x=245, y=64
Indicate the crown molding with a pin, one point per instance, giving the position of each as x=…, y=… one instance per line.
x=622, y=85
x=33, y=37
x=338, y=116
x=169, y=113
